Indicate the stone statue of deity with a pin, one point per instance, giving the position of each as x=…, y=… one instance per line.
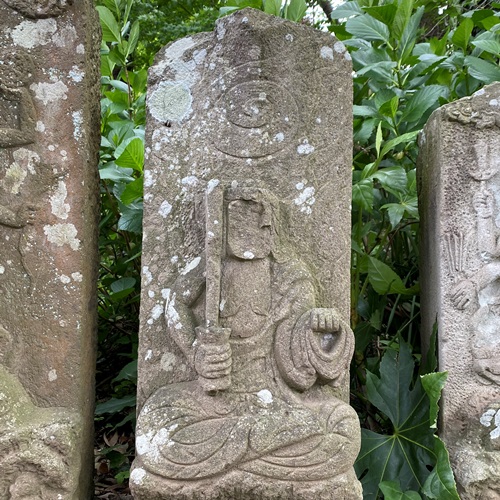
x=266, y=357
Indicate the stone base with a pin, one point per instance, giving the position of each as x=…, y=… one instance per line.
x=238, y=485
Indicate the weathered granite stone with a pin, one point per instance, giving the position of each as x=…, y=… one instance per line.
x=49, y=95
x=245, y=342
x=459, y=182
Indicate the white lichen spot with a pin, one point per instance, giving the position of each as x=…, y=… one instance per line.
x=199, y=56
x=279, y=137
x=40, y=127
x=479, y=92
x=339, y=47
x=326, y=52
x=80, y=49
x=171, y=101
x=151, y=294
x=149, y=355
x=222, y=305
x=212, y=184
x=171, y=314
x=265, y=396
x=49, y=92
x=78, y=277
x=65, y=36
x=289, y=37
x=248, y=255
x=190, y=180
x=77, y=117
x=191, y=265
x=76, y=74
x=156, y=312
x=306, y=198
x=30, y=34
x=24, y=163
x=52, y=375
x=220, y=31
x=165, y=209
x=244, y=20
x=167, y=362
x=148, y=277
x=59, y=208
x=305, y=148
x=62, y=234
x=2, y=269
x=64, y=279
x=491, y=417
x=494, y=102
x=347, y=56
x=137, y=476
x=148, y=178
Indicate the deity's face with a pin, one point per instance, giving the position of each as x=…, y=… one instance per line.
x=249, y=234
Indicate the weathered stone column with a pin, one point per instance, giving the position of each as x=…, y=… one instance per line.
x=244, y=340
x=459, y=175
x=49, y=137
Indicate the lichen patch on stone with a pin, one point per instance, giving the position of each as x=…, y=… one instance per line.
x=29, y=34
x=171, y=101
x=49, y=92
x=62, y=234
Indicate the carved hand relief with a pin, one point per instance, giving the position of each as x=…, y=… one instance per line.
x=17, y=111
x=264, y=355
x=39, y=8
x=257, y=118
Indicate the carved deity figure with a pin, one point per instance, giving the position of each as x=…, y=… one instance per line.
x=266, y=360
x=481, y=291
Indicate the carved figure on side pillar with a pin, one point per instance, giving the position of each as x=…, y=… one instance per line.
x=264, y=355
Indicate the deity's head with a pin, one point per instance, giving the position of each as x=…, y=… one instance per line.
x=250, y=222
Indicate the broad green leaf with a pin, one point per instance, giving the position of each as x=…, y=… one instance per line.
x=462, y=34
x=385, y=281
x=367, y=28
x=402, y=17
x=133, y=191
x=128, y=372
x=362, y=194
x=346, y=10
x=383, y=13
x=392, y=178
x=272, y=7
x=483, y=70
x=119, y=85
x=133, y=38
x=122, y=284
x=131, y=218
x=378, y=138
x=441, y=484
x=295, y=10
x=405, y=454
x=491, y=46
x=115, y=405
x=110, y=28
x=409, y=35
x=408, y=137
x=422, y=100
x=390, y=107
x=489, y=22
x=433, y=384
x=364, y=111
x=113, y=173
x=130, y=154
x=392, y=491
x=395, y=211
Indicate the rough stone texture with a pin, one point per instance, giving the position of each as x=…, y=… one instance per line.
x=459, y=183
x=49, y=141
x=245, y=342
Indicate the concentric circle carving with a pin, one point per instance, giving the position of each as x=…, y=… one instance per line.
x=256, y=118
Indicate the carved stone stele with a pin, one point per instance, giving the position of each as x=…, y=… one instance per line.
x=459, y=199
x=49, y=139
x=245, y=342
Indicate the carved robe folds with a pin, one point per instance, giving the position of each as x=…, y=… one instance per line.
x=245, y=344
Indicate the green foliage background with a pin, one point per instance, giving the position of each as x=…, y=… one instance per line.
x=409, y=57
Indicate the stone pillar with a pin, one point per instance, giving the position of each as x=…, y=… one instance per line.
x=459, y=177
x=49, y=138
x=244, y=338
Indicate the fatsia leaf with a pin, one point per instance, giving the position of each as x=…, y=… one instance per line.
x=392, y=491
x=433, y=384
x=405, y=454
x=368, y=28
